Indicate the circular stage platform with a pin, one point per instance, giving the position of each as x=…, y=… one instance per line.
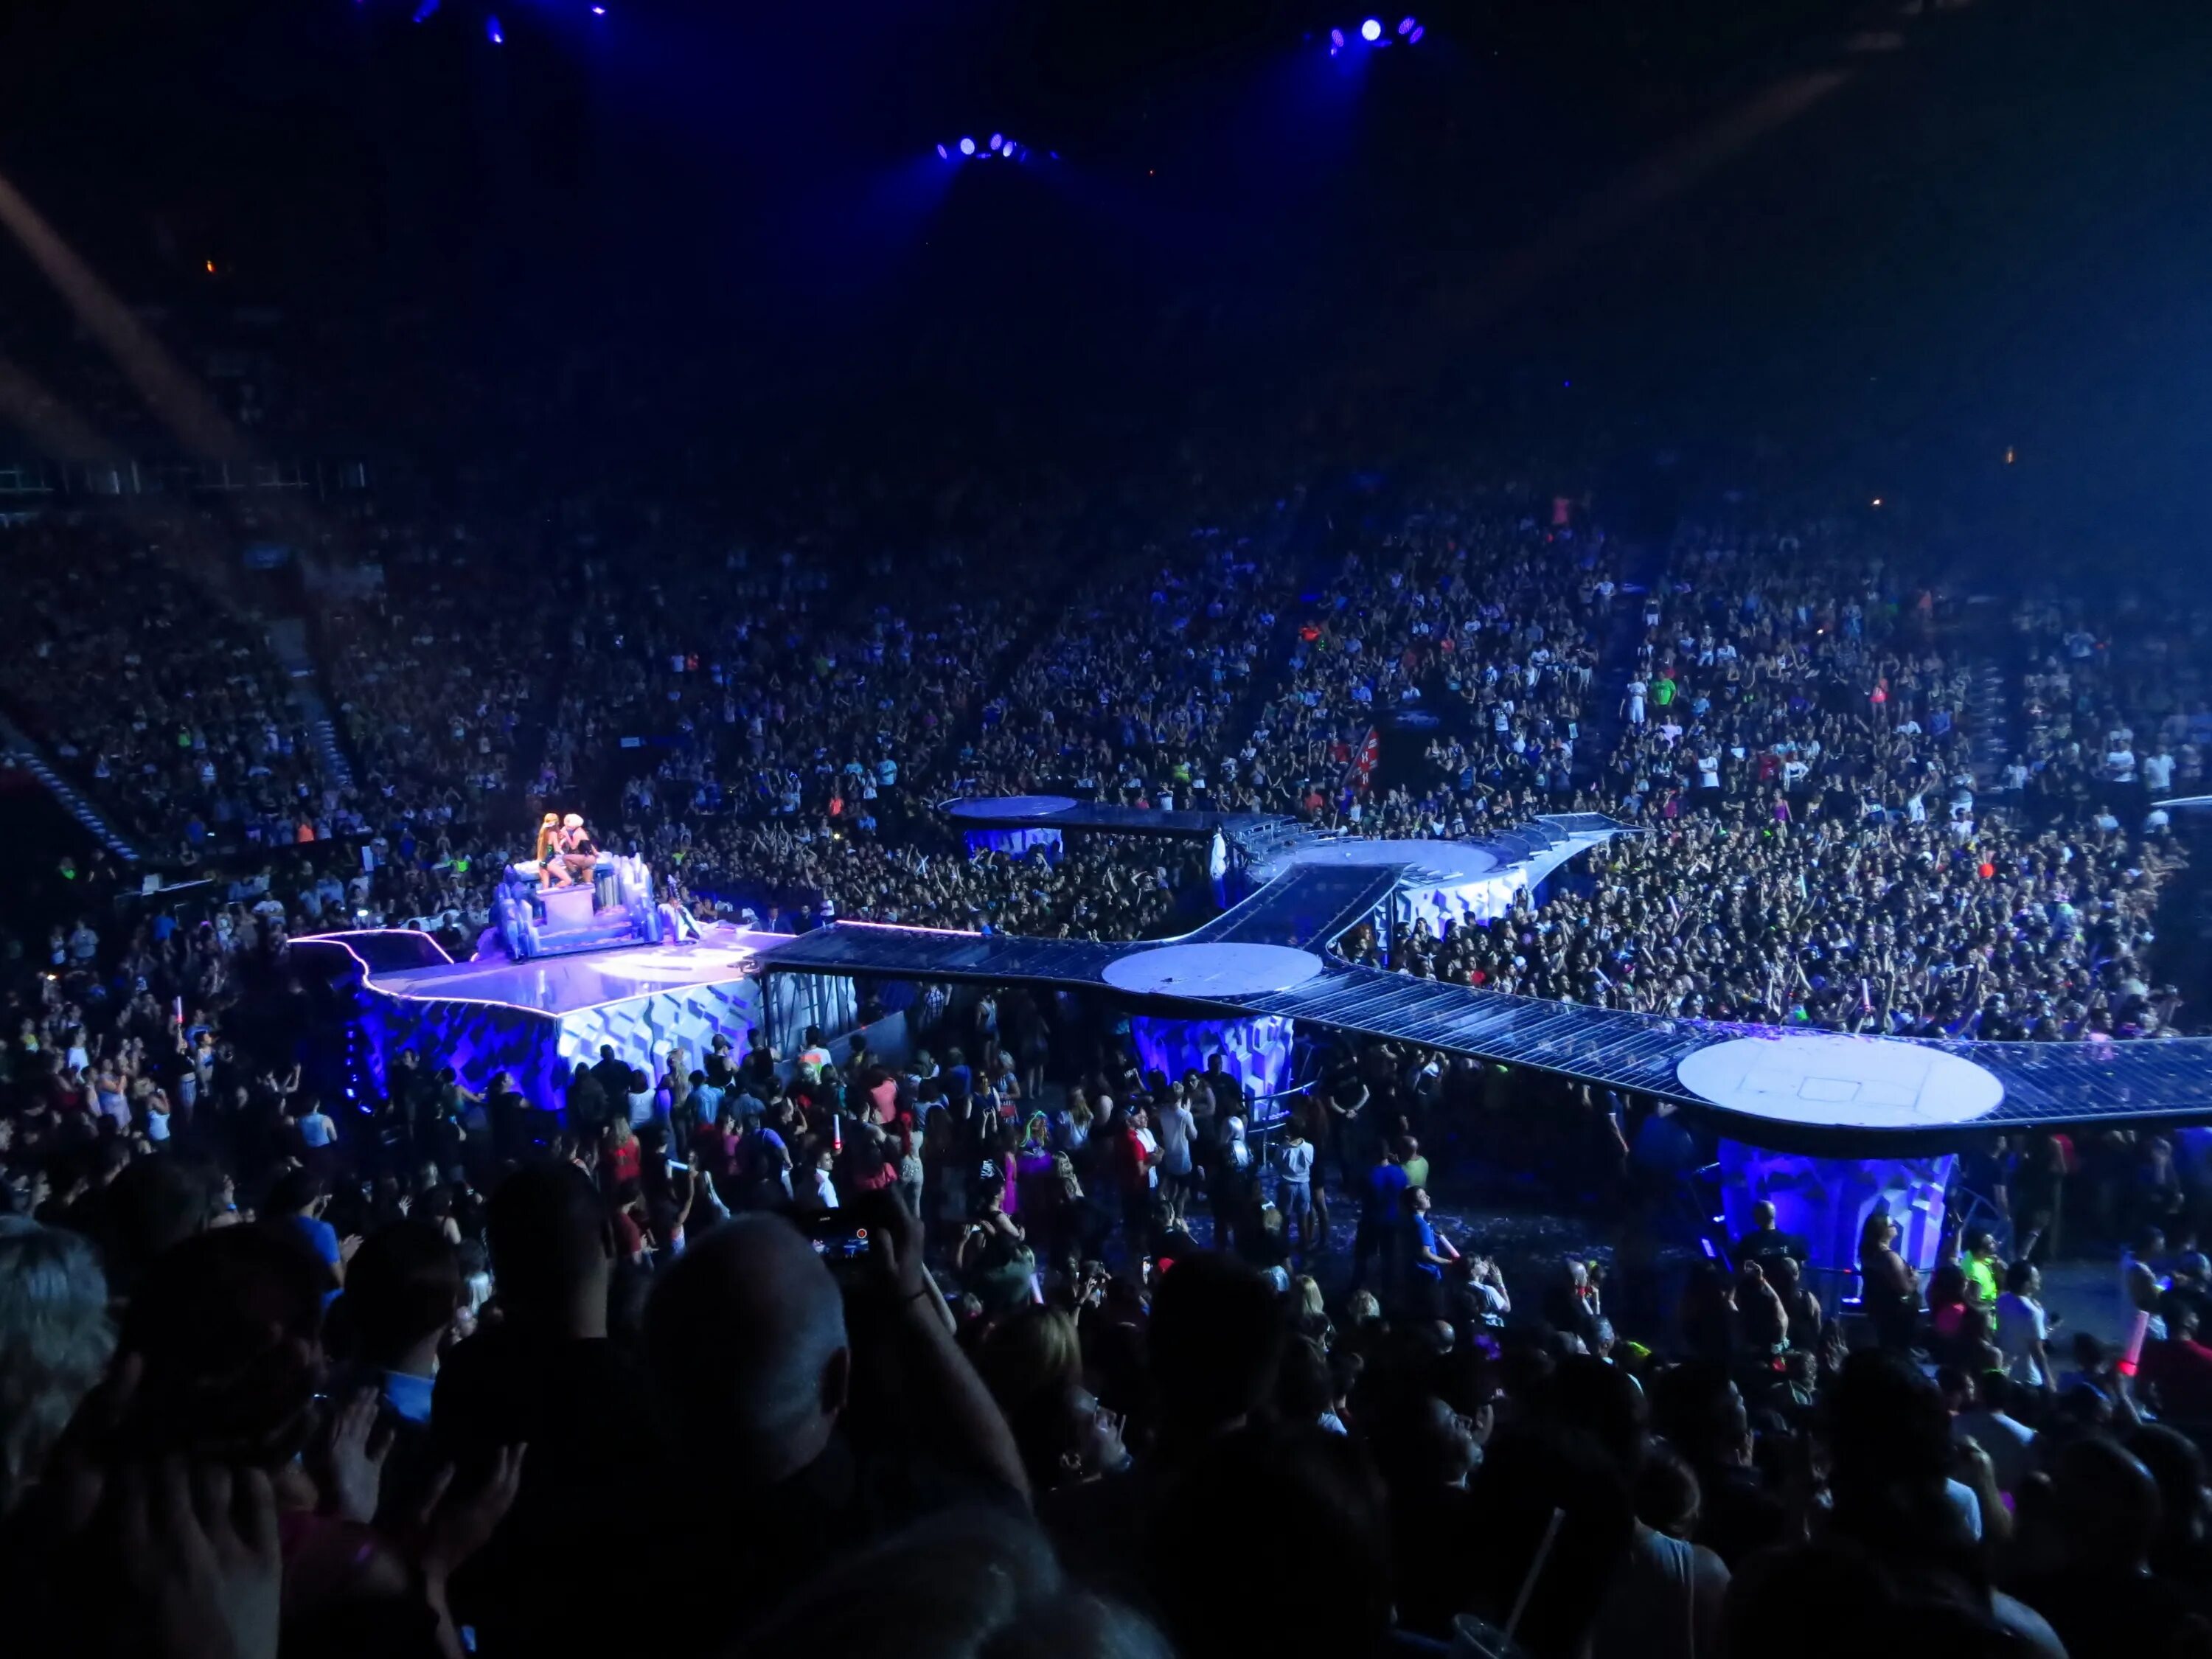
x=1201, y=971
x=1821, y=1080
x=1426, y=863
x=999, y=808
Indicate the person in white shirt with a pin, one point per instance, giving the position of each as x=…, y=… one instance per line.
x=1977, y=1406
x=1176, y=1130
x=1294, y=1163
x=1139, y=1124
x=2023, y=1329
x=2158, y=771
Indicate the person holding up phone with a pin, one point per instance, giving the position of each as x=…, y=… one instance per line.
x=749, y=1331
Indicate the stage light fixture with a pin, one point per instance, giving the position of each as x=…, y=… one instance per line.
x=1372, y=30
x=942, y=154
x=1414, y=39
x=1336, y=39
x=967, y=146
x=1406, y=26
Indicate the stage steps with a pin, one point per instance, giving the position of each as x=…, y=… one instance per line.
x=618, y=929
x=1989, y=723
x=1642, y=571
x=20, y=750
x=288, y=642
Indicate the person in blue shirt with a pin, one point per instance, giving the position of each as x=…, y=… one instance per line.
x=1663, y=1149
x=402, y=1291
x=1432, y=1251
x=706, y=1099
x=298, y=1200
x=1381, y=1213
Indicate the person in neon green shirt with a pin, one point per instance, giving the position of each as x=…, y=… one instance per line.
x=1985, y=1271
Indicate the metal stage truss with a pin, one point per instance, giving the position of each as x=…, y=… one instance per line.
x=1819, y=1089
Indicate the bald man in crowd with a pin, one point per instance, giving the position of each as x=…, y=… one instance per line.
x=782, y=1404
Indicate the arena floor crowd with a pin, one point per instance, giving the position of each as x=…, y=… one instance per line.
x=495, y=1374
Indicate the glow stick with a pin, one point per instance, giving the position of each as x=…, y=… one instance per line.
x=1535, y=1571
x=2135, y=1335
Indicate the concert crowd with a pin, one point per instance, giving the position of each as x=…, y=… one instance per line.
x=1003, y=1344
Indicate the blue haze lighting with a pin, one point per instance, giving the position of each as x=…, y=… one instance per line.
x=427, y=10
x=492, y=32
x=1371, y=29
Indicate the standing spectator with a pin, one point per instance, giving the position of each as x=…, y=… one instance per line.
x=298, y=1201
x=1294, y=1163
x=2022, y=1328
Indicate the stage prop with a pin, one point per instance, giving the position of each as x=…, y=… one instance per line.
x=1825, y=1201
x=1255, y=1052
x=795, y=1001
x=1823, y=1080
x=536, y=1019
x=530, y=920
x=1446, y=884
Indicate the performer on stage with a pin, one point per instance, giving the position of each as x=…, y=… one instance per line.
x=550, y=873
x=579, y=856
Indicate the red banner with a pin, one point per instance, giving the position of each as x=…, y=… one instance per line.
x=1363, y=761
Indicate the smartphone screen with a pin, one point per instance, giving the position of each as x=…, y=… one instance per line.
x=838, y=1239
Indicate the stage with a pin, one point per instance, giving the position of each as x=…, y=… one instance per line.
x=536, y=1020
x=1266, y=958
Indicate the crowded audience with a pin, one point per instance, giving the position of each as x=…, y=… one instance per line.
x=994, y=1329
x=158, y=692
